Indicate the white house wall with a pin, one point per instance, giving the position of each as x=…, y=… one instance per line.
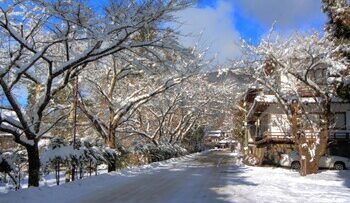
x=274, y=120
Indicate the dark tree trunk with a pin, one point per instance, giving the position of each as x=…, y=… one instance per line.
x=328, y=119
x=19, y=178
x=33, y=165
x=110, y=142
x=73, y=171
x=309, y=164
x=80, y=171
x=90, y=167
x=58, y=172
x=112, y=166
x=302, y=144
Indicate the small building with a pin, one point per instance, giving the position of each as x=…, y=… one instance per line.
x=218, y=138
x=6, y=141
x=227, y=143
x=267, y=129
x=212, y=138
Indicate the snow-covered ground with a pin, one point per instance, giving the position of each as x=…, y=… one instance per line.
x=266, y=184
x=215, y=176
x=48, y=180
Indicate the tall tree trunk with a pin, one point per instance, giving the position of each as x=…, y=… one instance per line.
x=75, y=105
x=110, y=142
x=81, y=171
x=33, y=165
x=321, y=141
x=308, y=164
x=90, y=167
x=327, y=120
x=320, y=144
x=57, y=172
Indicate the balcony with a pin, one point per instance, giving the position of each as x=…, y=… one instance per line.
x=281, y=137
x=273, y=137
x=343, y=135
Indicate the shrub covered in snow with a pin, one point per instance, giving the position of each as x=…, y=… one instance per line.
x=164, y=151
x=11, y=164
x=148, y=153
x=87, y=155
x=6, y=163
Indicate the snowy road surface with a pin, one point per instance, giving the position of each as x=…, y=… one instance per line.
x=209, y=177
x=191, y=181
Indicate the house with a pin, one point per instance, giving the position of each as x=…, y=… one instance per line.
x=268, y=132
x=212, y=138
x=227, y=143
x=6, y=141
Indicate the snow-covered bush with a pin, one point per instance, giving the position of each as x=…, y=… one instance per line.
x=139, y=153
x=10, y=165
x=57, y=152
x=87, y=155
x=6, y=164
x=165, y=151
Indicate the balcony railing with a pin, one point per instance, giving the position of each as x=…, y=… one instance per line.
x=345, y=135
x=338, y=135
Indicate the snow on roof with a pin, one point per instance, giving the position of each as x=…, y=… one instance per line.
x=214, y=135
x=266, y=98
x=273, y=99
x=227, y=141
x=215, y=131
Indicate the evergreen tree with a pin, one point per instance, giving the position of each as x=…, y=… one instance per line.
x=338, y=31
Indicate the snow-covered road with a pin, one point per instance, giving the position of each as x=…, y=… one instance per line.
x=189, y=181
x=214, y=176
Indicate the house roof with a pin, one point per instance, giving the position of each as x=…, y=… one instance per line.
x=261, y=102
x=213, y=135
x=273, y=99
x=225, y=141
x=2, y=134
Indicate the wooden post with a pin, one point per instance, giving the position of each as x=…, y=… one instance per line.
x=75, y=104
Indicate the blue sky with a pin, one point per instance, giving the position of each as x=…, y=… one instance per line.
x=222, y=23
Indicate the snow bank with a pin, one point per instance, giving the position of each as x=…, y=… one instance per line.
x=69, y=192
x=266, y=184
x=237, y=183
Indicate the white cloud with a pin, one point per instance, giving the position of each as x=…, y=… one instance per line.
x=215, y=28
x=288, y=13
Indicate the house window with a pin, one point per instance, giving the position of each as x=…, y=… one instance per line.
x=340, y=120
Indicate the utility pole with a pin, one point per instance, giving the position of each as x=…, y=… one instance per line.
x=75, y=105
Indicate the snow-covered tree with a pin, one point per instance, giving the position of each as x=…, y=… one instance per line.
x=46, y=44
x=286, y=68
x=338, y=31
x=119, y=85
